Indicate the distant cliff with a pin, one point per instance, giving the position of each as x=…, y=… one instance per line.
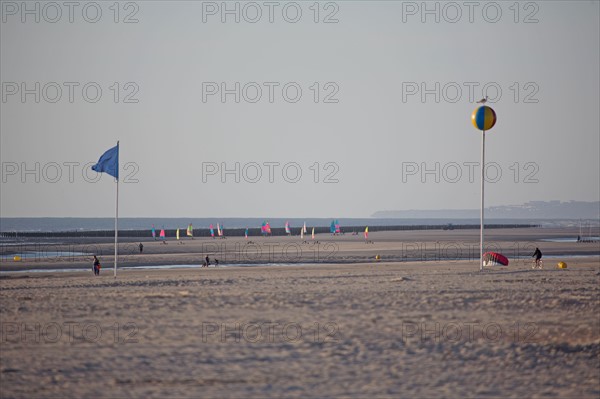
x=529, y=210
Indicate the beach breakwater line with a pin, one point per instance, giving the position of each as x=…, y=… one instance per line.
x=253, y=232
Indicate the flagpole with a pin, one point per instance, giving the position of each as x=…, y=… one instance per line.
x=482, y=184
x=483, y=118
x=117, y=219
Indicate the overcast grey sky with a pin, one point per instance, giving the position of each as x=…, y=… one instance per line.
x=367, y=126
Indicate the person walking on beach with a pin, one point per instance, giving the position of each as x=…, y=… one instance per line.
x=141, y=247
x=96, y=266
x=206, y=261
x=538, y=256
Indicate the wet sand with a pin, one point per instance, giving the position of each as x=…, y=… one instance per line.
x=438, y=328
x=393, y=246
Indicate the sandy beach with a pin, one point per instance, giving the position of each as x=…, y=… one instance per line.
x=350, y=327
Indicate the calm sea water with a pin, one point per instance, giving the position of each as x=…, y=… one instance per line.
x=91, y=224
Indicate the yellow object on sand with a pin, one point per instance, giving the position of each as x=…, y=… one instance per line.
x=377, y=257
x=17, y=258
x=561, y=265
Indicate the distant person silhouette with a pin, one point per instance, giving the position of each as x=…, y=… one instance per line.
x=537, y=255
x=96, y=266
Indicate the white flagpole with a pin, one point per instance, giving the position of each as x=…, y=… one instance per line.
x=481, y=215
x=117, y=218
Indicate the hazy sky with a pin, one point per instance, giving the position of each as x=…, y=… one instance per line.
x=394, y=93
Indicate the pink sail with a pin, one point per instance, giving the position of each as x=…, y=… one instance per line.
x=265, y=228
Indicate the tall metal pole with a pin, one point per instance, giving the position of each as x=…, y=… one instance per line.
x=481, y=214
x=117, y=219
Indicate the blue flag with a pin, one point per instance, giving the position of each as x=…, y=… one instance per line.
x=109, y=162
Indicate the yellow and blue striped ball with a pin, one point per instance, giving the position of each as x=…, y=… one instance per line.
x=483, y=118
